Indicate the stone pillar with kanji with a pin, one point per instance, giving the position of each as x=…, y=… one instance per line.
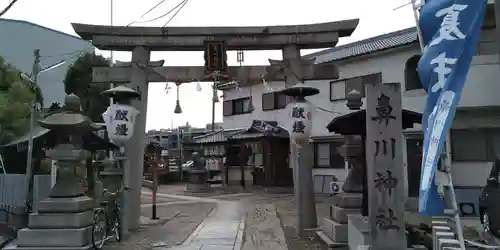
x=385, y=172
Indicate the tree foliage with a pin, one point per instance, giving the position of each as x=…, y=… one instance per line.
x=16, y=96
x=79, y=82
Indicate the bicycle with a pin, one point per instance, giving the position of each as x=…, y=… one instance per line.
x=106, y=220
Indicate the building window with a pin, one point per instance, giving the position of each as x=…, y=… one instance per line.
x=326, y=155
x=339, y=89
x=475, y=144
x=237, y=106
x=412, y=80
x=274, y=100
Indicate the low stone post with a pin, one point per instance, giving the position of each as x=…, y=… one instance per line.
x=64, y=219
x=198, y=175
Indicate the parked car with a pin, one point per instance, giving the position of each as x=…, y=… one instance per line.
x=489, y=202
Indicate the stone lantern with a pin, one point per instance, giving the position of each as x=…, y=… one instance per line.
x=64, y=219
x=198, y=175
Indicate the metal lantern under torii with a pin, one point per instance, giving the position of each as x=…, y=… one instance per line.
x=300, y=111
x=120, y=117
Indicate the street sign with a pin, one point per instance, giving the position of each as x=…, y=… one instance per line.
x=215, y=56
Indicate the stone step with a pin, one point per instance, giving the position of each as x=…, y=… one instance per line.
x=335, y=231
x=447, y=244
x=27, y=237
x=347, y=200
x=340, y=215
x=15, y=247
x=329, y=243
x=60, y=220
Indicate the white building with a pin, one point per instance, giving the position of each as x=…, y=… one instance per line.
x=393, y=57
x=19, y=39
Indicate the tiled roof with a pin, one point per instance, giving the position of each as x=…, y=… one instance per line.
x=370, y=45
x=363, y=47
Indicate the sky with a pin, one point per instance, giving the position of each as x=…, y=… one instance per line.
x=376, y=18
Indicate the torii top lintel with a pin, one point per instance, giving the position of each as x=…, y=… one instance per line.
x=308, y=36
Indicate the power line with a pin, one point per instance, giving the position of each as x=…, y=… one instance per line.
x=8, y=7
x=147, y=12
x=177, y=12
x=164, y=15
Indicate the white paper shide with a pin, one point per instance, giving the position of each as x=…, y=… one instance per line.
x=120, y=120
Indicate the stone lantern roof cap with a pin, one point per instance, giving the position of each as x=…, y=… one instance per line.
x=300, y=89
x=70, y=118
x=121, y=92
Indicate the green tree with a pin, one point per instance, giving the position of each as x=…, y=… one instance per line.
x=16, y=96
x=79, y=82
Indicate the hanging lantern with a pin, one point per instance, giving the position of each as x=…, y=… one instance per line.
x=120, y=121
x=177, y=109
x=300, y=113
x=120, y=117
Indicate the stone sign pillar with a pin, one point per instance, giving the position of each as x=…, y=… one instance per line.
x=384, y=160
x=134, y=149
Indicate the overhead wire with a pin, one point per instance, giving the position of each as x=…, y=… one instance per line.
x=162, y=16
x=147, y=12
x=9, y=6
x=177, y=12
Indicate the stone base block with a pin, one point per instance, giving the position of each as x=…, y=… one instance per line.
x=54, y=237
x=335, y=231
x=190, y=187
x=340, y=215
x=327, y=242
x=359, y=231
x=60, y=220
x=65, y=205
x=16, y=247
x=347, y=200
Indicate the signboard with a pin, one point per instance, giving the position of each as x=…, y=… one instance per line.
x=215, y=56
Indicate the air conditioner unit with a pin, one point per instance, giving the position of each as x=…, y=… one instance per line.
x=335, y=187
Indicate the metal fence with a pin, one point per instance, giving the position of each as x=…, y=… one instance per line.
x=13, y=212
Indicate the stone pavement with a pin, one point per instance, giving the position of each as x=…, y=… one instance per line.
x=222, y=230
x=263, y=229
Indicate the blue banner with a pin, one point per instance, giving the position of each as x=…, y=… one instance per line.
x=450, y=32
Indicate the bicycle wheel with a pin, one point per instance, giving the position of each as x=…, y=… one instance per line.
x=117, y=226
x=99, y=232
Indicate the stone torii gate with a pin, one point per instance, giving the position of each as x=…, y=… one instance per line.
x=142, y=40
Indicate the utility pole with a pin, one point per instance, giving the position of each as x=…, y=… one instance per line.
x=29, y=170
x=497, y=25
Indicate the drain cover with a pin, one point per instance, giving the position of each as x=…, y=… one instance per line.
x=159, y=244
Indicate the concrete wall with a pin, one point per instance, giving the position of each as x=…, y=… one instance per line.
x=481, y=90
x=20, y=38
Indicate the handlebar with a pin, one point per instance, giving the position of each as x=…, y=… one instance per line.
x=105, y=191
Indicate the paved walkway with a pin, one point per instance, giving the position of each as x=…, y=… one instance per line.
x=222, y=230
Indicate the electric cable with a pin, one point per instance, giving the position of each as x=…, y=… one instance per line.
x=177, y=12
x=147, y=12
x=9, y=6
x=164, y=15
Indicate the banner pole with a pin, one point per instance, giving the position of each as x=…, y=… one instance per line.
x=452, y=199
